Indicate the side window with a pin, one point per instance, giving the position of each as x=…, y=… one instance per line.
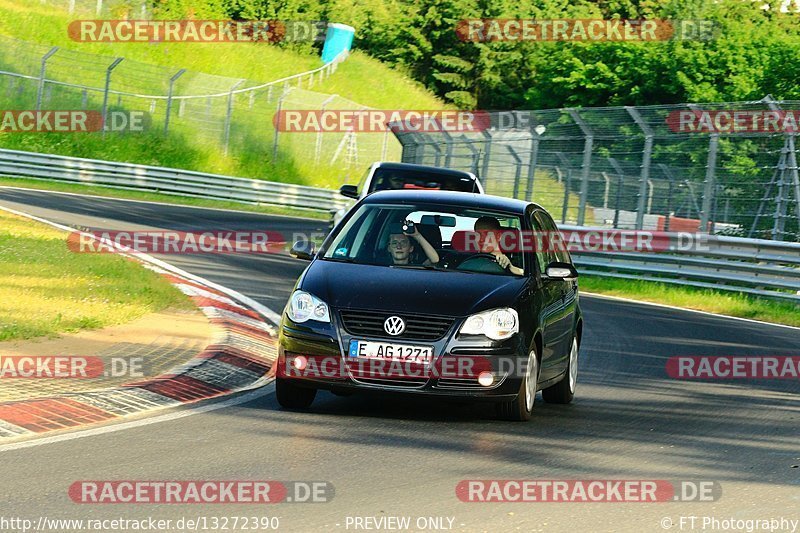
x=555, y=253
x=541, y=255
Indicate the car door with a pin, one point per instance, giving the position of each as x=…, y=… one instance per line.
x=562, y=295
x=549, y=306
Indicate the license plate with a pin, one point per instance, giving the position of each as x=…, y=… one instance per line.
x=390, y=351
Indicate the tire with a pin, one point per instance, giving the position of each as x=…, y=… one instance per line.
x=520, y=408
x=563, y=391
x=291, y=396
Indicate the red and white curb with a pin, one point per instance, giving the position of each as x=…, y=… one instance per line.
x=240, y=358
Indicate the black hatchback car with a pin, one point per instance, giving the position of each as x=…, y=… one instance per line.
x=445, y=294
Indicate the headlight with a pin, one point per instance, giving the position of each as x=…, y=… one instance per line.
x=304, y=306
x=497, y=324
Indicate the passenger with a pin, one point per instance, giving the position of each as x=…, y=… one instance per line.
x=400, y=247
x=489, y=246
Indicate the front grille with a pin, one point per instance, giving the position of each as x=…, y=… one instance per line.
x=409, y=383
x=418, y=327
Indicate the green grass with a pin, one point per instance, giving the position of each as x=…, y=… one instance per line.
x=45, y=289
x=163, y=198
x=196, y=135
x=30, y=20
x=719, y=302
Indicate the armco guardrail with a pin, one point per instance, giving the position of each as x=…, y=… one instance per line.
x=165, y=181
x=753, y=266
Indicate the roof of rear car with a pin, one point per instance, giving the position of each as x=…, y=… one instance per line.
x=466, y=199
x=411, y=166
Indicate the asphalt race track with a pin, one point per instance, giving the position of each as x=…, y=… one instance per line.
x=396, y=457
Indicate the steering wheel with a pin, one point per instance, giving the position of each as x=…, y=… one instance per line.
x=481, y=262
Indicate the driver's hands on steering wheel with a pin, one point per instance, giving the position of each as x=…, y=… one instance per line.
x=503, y=260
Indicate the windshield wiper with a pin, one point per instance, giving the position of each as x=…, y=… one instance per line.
x=339, y=259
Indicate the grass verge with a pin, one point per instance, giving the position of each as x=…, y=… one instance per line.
x=163, y=198
x=718, y=302
x=45, y=289
x=195, y=140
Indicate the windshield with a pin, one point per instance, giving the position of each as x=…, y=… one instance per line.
x=388, y=178
x=426, y=236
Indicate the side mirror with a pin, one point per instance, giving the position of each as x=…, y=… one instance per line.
x=556, y=270
x=303, y=250
x=350, y=191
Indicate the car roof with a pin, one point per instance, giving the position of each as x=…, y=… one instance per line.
x=426, y=168
x=465, y=199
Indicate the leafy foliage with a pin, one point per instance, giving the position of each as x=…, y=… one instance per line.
x=751, y=55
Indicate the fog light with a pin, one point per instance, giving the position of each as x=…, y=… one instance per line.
x=485, y=379
x=299, y=362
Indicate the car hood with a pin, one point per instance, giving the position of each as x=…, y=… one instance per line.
x=407, y=290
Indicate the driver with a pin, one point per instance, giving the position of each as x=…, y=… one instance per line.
x=489, y=246
x=400, y=247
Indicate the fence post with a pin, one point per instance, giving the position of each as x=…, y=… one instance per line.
x=110, y=68
x=646, y=157
x=536, y=134
x=607, y=189
x=714, y=206
x=487, y=156
x=448, y=154
x=419, y=152
x=788, y=161
x=474, y=154
x=517, y=170
x=665, y=170
x=620, y=183
x=437, y=161
x=318, y=141
x=708, y=191
x=229, y=114
x=711, y=169
x=567, y=182
x=42, y=71
x=587, y=163
x=286, y=92
x=172, y=81
x=795, y=179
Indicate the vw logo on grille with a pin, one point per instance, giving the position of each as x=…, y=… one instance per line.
x=394, y=325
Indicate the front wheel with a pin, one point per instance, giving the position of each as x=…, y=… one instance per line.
x=520, y=408
x=290, y=396
x=563, y=391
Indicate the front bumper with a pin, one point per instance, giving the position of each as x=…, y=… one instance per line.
x=458, y=361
